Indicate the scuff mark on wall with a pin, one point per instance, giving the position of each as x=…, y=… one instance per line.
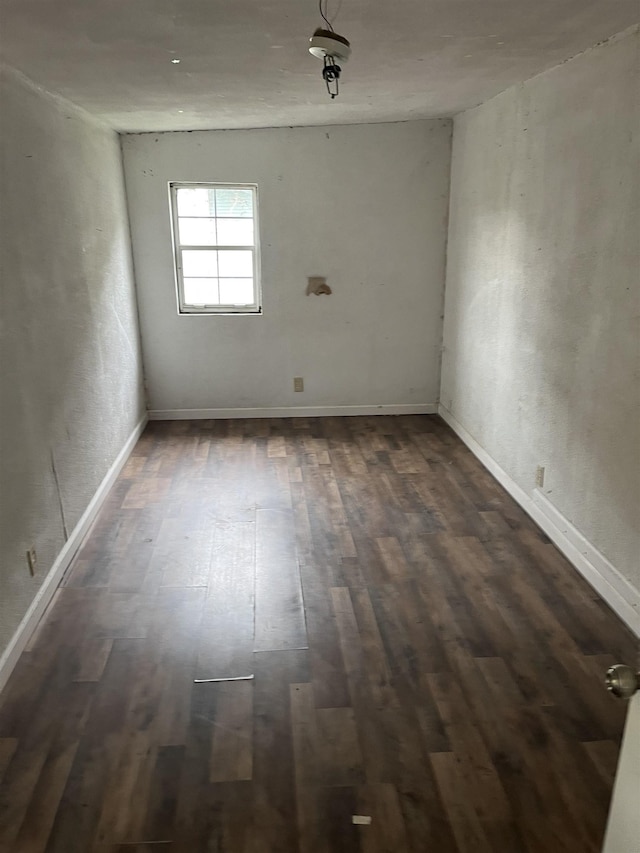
x=58, y=492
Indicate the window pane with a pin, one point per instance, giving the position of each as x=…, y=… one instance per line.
x=201, y=291
x=198, y=232
x=230, y=202
x=236, y=291
x=196, y=201
x=235, y=263
x=235, y=232
x=197, y=264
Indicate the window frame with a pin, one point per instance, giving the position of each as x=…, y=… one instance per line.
x=185, y=308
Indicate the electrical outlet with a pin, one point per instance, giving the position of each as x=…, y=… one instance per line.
x=539, y=476
x=32, y=560
x=298, y=383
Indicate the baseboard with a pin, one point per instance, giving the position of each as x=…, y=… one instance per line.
x=603, y=576
x=293, y=412
x=50, y=583
x=616, y=590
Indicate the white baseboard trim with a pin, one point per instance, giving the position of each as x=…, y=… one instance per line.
x=292, y=412
x=591, y=563
x=49, y=585
x=616, y=590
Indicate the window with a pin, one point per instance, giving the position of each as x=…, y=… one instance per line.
x=215, y=236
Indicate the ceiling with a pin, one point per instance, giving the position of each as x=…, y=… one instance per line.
x=244, y=63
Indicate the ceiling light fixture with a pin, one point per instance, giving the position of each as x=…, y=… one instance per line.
x=331, y=48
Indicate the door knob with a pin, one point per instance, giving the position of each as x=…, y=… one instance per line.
x=622, y=681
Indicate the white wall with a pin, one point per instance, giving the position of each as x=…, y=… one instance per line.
x=365, y=206
x=541, y=362
x=70, y=384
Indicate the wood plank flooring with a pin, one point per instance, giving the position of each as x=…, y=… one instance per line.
x=421, y=654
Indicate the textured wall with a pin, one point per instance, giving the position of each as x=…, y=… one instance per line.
x=363, y=205
x=70, y=384
x=542, y=299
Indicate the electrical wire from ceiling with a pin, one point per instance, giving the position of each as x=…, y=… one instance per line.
x=323, y=8
x=331, y=48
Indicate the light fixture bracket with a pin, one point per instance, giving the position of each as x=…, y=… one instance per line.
x=326, y=43
x=332, y=49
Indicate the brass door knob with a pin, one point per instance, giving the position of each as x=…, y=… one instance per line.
x=622, y=681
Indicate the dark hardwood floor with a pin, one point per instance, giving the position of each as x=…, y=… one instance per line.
x=421, y=654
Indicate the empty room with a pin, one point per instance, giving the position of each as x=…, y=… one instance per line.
x=320, y=426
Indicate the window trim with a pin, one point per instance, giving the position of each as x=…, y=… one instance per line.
x=200, y=310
